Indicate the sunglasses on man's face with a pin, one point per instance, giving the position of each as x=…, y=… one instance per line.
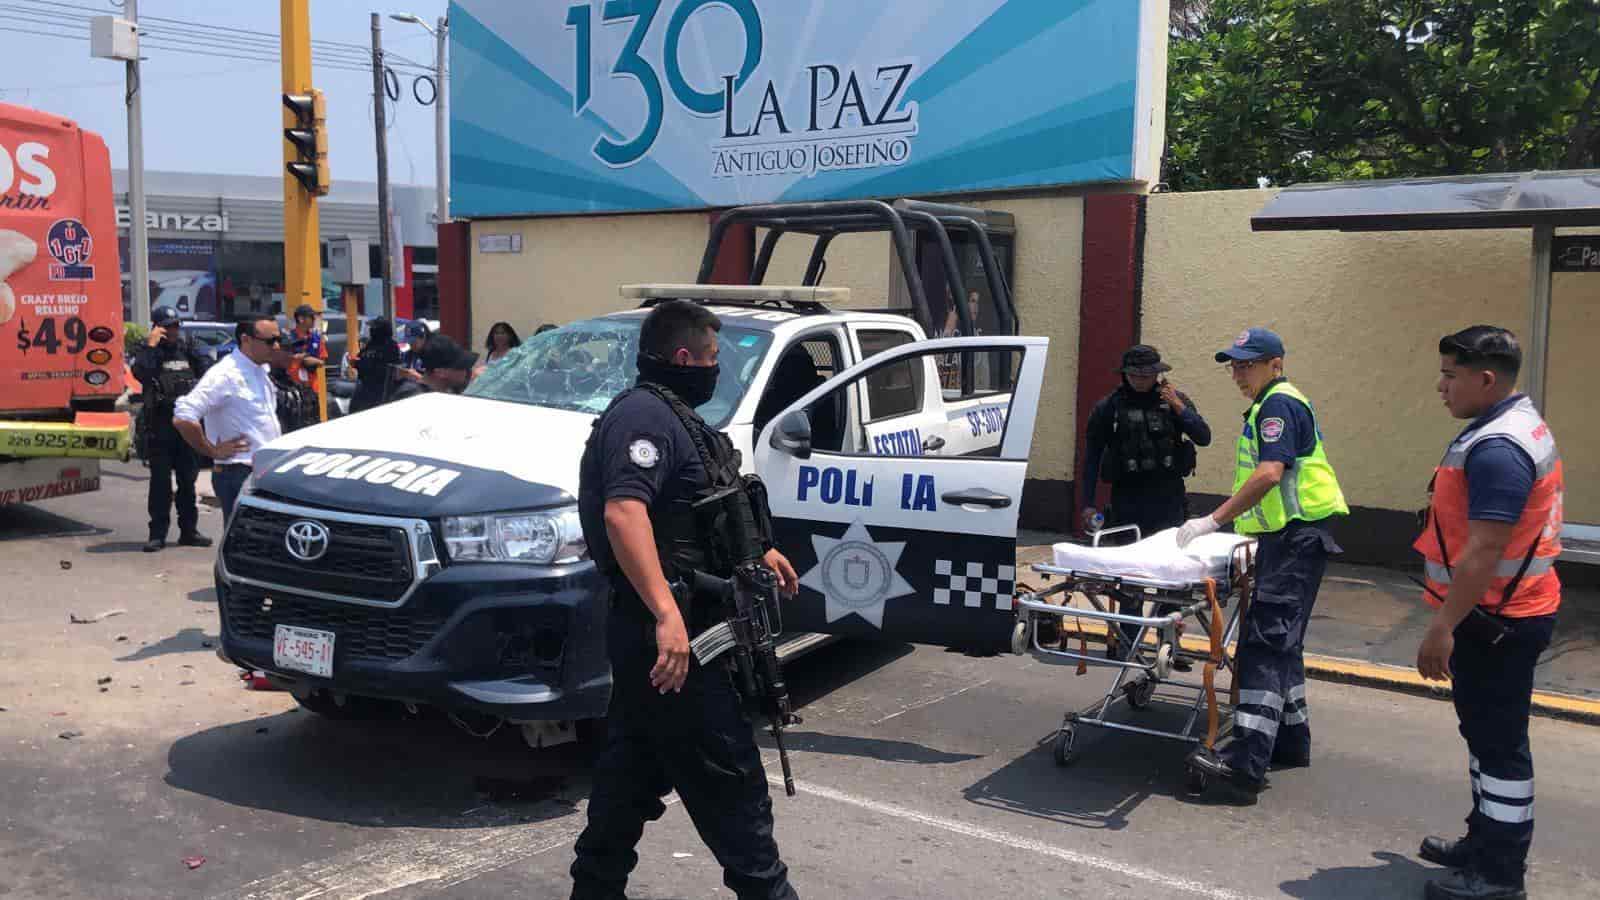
x=274, y=341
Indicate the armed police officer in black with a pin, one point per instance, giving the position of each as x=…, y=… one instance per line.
x=1142, y=438
x=168, y=366
x=661, y=498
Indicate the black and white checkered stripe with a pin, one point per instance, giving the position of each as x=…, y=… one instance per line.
x=972, y=585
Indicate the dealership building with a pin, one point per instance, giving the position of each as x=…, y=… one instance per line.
x=216, y=243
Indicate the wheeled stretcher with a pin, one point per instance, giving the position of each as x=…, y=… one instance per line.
x=1209, y=581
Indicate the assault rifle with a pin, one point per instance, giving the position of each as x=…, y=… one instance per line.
x=750, y=629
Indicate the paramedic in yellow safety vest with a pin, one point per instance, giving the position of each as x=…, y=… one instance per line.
x=1489, y=545
x=1284, y=490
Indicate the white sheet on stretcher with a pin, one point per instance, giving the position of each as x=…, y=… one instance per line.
x=1156, y=558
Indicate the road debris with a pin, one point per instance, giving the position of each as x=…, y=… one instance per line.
x=103, y=679
x=121, y=638
x=76, y=619
x=70, y=735
x=194, y=862
x=257, y=680
x=66, y=565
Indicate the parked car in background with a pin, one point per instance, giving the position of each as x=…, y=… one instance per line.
x=212, y=340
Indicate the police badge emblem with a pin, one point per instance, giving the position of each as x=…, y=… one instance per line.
x=644, y=454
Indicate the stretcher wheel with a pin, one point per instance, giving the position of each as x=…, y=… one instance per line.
x=1164, y=661
x=1019, y=637
x=1063, y=748
x=1194, y=780
x=1141, y=693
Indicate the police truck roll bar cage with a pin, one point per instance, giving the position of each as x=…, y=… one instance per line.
x=825, y=221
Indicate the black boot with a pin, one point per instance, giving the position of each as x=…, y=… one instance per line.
x=155, y=545
x=1229, y=783
x=193, y=539
x=1455, y=854
x=1465, y=884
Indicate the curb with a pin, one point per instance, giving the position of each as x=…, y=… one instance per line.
x=1566, y=707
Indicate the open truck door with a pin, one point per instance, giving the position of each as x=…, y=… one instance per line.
x=904, y=546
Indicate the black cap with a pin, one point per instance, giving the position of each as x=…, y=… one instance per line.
x=305, y=309
x=163, y=316
x=1143, y=359
x=443, y=352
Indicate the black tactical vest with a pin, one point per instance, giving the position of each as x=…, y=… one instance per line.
x=176, y=378
x=1146, y=442
x=723, y=525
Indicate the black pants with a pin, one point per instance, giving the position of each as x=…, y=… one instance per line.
x=1272, y=641
x=1493, y=690
x=1153, y=505
x=171, y=458
x=698, y=742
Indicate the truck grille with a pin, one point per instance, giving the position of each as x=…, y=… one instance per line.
x=366, y=561
x=361, y=633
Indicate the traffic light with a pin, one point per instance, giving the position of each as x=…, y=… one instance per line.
x=310, y=140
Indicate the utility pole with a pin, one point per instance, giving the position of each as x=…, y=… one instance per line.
x=138, y=237
x=441, y=124
x=302, y=225
x=379, y=96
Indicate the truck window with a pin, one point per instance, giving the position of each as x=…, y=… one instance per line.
x=807, y=363
x=895, y=390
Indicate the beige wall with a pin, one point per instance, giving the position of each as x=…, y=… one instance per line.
x=570, y=268
x=1360, y=315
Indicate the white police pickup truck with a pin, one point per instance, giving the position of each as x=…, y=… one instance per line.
x=429, y=551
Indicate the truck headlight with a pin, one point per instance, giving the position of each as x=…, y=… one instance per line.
x=545, y=537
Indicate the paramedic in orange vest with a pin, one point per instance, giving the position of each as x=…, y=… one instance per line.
x=1489, y=545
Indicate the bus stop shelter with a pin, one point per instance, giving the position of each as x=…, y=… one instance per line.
x=1538, y=201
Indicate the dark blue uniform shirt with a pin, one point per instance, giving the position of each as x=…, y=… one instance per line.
x=645, y=454
x=1288, y=430
x=1500, y=474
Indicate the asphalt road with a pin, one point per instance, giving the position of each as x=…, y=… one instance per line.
x=923, y=773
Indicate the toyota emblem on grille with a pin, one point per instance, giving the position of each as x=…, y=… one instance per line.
x=306, y=540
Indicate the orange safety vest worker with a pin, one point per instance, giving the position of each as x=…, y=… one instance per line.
x=1525, y=582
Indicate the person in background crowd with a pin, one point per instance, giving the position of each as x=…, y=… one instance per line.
x=168, y=366
x=1142, y=438
x=374, y=366
x=446, y=368
x=308, y=346
x=1489, y=546
x=417, y=336
x=298, y=403
x=233, y=411
x=502, y=340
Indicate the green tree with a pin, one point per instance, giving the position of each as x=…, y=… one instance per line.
x=1321, y=90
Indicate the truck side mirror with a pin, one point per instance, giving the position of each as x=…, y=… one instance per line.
x=793, y=435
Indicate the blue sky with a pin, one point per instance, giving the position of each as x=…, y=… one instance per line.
x=215, y=114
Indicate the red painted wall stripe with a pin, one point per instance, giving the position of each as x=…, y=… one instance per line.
x=1108, y=309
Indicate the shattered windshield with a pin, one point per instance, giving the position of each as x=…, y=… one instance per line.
x=582, y=366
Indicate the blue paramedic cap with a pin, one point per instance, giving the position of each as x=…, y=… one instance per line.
x=1255, y=343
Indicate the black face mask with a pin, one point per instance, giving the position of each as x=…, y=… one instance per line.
x=694, y=385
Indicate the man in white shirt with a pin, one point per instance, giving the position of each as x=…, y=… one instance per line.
x=238, y=406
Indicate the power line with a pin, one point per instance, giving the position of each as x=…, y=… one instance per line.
x=253, y=45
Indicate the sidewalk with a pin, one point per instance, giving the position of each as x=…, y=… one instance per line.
x=1369, y=621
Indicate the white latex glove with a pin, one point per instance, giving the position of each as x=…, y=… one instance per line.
x=1195, y=528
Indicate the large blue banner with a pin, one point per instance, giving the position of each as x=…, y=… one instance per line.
x=565, y=106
